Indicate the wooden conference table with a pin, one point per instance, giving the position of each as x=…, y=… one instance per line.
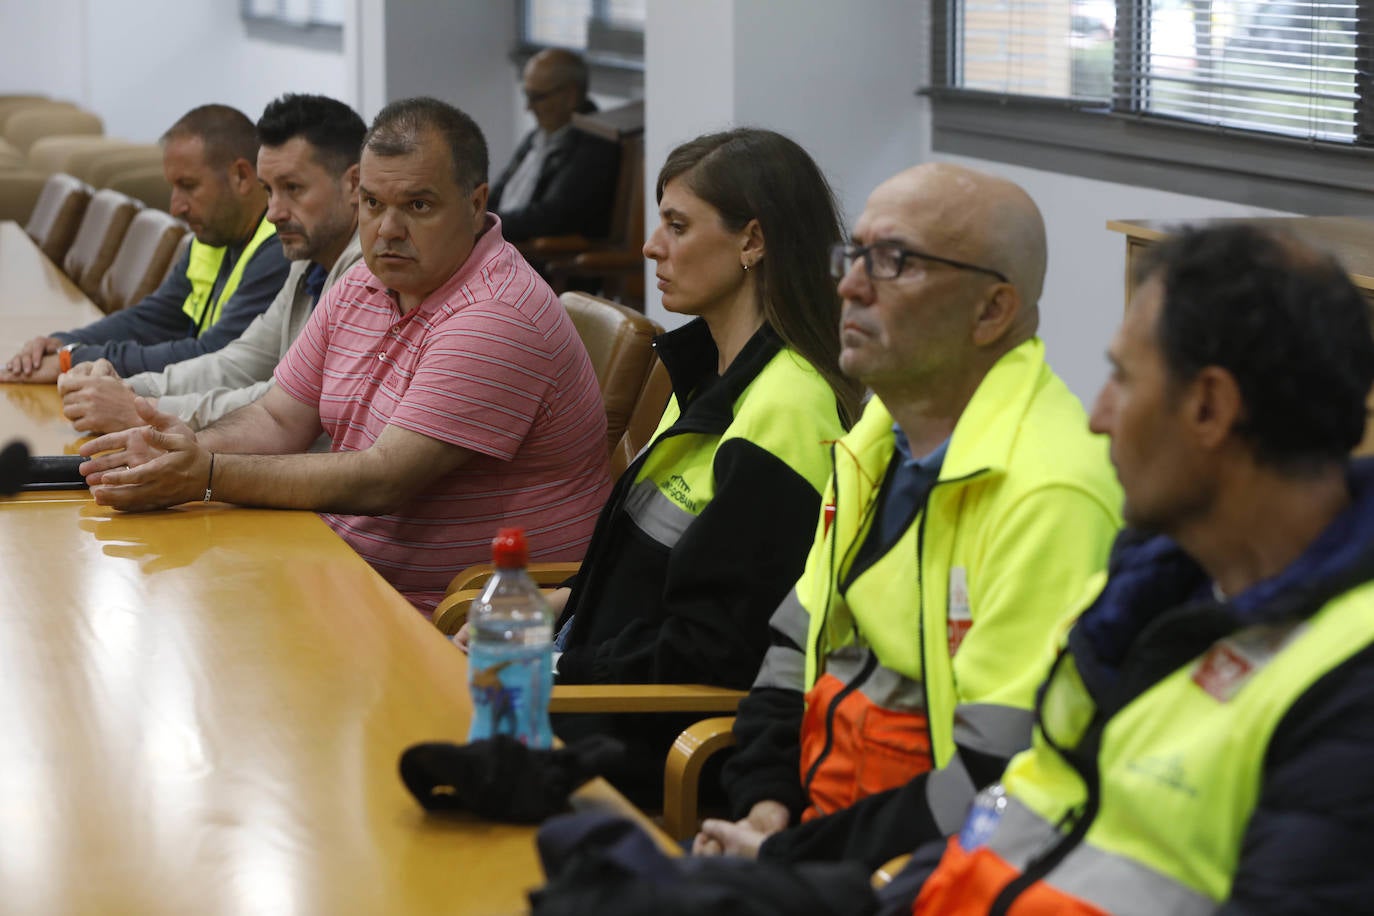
x=203, y=709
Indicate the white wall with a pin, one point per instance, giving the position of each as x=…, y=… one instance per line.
x=838, y=83
x=458, y=52
x=44, y=48
x=141, y=65
x=1085, y=286
x=840, y=80
x=837, y=77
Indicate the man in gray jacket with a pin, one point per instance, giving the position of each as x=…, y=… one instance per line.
x=308, y=162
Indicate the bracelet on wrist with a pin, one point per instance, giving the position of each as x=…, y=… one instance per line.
x=210, y=480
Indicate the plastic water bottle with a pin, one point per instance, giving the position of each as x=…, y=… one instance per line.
x=510, y=650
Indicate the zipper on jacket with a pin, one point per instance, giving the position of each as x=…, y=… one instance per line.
x=1083, y=760
x=830, y=711
x=921, y=598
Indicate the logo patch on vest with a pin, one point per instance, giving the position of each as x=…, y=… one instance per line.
x=679, y=491
x=1166, y=771
x=1230, y=663
x=959, y=618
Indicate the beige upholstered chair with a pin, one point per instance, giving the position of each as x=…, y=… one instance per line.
x=117, y=162
x=143, y=259
x=57, y=152
x=176, y=255
x=11, y=158
x=146, y=184
x=644, y=419
x=25, y=126
x=76, y=154
x=619, y=341
x=57, y=215
x=19, y=190
x=11, y=104
x=97, y=241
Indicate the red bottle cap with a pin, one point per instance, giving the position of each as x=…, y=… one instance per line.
x=508, y=549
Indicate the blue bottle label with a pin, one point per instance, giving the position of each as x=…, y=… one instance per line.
x=983, y=817
x=510, y=686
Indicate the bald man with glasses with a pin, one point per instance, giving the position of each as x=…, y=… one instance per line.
x=560, y=180
x=966, y=513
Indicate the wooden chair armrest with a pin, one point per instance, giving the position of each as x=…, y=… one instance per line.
x=682, y=772
x=556, y=244
x=602, y=698
x=609, y=259
x=546, y=574
x=885, y=873
x=452, y=612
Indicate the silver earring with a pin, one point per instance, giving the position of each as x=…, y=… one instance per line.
x=746, y=267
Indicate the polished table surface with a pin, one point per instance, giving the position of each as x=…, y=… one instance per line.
x=32, y=286
x=203, y=708
x=35, y=298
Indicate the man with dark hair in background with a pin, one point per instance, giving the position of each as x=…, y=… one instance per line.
x=560, y=180
x=308, y=164
x=453, y=384
x=227, y=277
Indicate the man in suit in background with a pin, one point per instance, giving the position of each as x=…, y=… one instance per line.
x=560, y=180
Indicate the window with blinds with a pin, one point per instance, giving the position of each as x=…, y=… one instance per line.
x=300, y=13
x=614, y=27
x=1289, y=67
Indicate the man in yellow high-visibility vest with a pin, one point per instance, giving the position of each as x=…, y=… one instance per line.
x=229, y=275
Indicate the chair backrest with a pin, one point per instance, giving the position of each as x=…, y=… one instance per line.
x=28, y=124
x=644, y=419
x=11, y=158
x=97, y=241
x=619, y=341
x=10, y=104
x=19, y=191
x=627, y=214
x=57, y=215
x=79, y=155
x=143, y=259
x=176, y=255
x=62, y=152
x=116, y=162
x=146, y=184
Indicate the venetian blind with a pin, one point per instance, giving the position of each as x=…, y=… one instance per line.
x=1276, y=66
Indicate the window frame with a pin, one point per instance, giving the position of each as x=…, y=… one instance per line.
x=1086, y=140
x=609, y=65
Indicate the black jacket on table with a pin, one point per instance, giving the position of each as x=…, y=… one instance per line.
x=696, y=610
x=573, y=194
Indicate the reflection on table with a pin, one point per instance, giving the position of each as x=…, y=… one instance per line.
x=203, y=710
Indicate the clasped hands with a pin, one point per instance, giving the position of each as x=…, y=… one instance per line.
x=96, y=399
x=743, y=837
x=152, y=466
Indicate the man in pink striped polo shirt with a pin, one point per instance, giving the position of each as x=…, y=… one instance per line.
x=453, y=384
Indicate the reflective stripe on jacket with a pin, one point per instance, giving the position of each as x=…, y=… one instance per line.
x=203, y=268
x=1145, y=810
x=942, y=639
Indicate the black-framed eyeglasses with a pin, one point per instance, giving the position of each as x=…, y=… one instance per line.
x=885, y=260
